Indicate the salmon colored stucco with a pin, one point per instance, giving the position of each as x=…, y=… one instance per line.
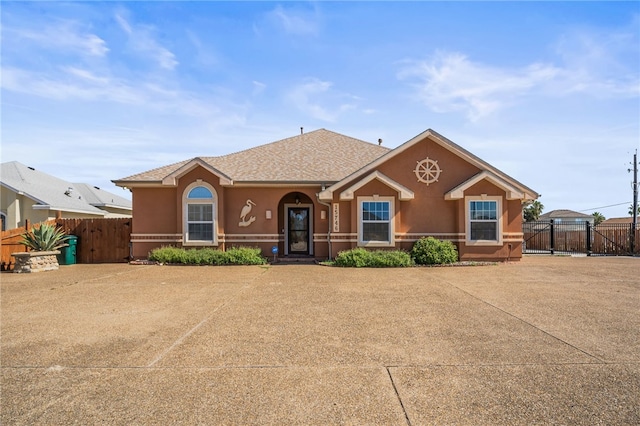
x=384, y=199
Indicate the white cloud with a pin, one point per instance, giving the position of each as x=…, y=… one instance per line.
x=71, y=83
x=595, y=64
x=317, y=99
x=77, y=84
x=606, y=64
x=142, y=40
x=258, y=87
x=451, y=82
x=296, y=22
x=205, y=54
x=61, y=35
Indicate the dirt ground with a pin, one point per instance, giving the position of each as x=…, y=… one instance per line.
x=547, y=340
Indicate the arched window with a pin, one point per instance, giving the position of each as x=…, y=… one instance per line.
x=200, y=214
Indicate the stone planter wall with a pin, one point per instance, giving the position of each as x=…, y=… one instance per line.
x=36, y=261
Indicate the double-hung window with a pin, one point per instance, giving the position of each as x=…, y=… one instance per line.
x=375, y=221
x=483, y=221
x=200, y=215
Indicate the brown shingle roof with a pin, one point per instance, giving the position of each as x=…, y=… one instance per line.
x=564, y=213
x=628, y=220
x=317, y=156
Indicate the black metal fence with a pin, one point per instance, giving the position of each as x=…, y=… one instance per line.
x=618, y=239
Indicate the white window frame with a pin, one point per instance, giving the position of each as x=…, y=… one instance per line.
x=185, y=212
x=392, y=216
x=498, y=220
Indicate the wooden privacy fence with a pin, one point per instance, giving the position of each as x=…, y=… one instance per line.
x=99, y=240
x=604, y=239
x=10, y=243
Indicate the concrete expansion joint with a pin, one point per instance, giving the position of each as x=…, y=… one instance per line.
x=600, y=361
x=178, y=342
x=395, y=389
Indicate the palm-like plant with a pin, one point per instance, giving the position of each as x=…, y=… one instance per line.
x=46, y=237
x=598, y=218
x=532, y=211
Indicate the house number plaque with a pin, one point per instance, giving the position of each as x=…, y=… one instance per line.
x=336, y=217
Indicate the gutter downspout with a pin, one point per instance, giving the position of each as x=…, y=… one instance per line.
x=329, y=222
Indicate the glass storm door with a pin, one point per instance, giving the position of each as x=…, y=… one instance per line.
x=298, y=230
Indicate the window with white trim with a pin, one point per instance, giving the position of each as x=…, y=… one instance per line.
x=200, y=214
x=483, y=216
x=375, y=221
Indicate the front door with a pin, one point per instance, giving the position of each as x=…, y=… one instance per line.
x=298, y=230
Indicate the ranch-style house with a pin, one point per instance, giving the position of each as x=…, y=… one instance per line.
x=320, y=192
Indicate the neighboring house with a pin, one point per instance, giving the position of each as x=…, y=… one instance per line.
x=321, y=192
x=566, y=216
x=618, y=221
x=28, y=194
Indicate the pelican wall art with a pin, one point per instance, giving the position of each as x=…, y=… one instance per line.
x=245, y=211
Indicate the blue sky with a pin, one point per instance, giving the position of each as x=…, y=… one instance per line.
x=548, y=92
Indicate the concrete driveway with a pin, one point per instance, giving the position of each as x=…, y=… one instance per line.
x=548, y=340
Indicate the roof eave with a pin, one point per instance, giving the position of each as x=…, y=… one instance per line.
x=67, y=209
x=22, y=193
x=111, y=206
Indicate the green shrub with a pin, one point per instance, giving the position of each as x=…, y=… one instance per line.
x=245, y=256
x=361, y=258
x=168, y=255
x=208, y=256
x=355, y=258
x=430, y=251
x=391, y=259
x=45, y=237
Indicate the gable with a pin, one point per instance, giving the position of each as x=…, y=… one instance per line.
x=172, y=178
x=404, y=193
x=512, y=193
x=431, y=159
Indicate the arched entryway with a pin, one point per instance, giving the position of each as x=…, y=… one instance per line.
x=295, y=219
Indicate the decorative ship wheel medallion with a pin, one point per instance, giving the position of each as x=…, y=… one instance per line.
x=427, y=171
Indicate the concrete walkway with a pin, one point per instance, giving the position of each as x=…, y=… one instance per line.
x=548, y=340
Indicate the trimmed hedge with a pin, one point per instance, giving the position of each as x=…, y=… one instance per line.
x=430, y=251
x=362, y=258
x=208, y=256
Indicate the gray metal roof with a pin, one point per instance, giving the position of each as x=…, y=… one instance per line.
x=49, y=191
x=100, y=198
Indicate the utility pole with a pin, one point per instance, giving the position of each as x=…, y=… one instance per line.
x=634, y=221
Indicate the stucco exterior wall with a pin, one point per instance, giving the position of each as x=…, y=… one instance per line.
x=19, y=209
x=159, y=211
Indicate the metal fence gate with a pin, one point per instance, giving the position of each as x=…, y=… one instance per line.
x=581, y=237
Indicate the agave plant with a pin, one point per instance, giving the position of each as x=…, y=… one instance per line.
x=46, y=237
